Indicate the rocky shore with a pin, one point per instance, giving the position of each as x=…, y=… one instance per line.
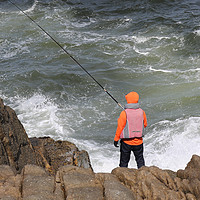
x=44, y=169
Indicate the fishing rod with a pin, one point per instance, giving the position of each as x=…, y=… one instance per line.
x=66, y=53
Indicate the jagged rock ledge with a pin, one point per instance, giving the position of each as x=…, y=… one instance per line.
x=44, y=169
x=17, y=150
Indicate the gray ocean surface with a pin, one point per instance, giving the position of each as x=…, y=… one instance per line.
x=148, y=46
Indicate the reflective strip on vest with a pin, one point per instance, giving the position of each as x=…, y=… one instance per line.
x=134, y=124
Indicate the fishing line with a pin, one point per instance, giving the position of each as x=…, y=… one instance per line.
x=67, y=53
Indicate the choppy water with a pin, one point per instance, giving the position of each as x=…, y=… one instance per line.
x=149, y=46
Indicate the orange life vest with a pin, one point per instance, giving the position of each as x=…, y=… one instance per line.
x=134, y=124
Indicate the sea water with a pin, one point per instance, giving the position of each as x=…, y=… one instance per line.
x=148, y=46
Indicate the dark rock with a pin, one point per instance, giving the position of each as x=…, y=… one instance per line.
x=54, y=154
x=81, y=159
x=190, y=177
x=192, y=170
x=15, y=147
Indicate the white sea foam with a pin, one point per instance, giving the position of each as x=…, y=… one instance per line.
x=142, y=39
x=17, y=11
x=32, y=7
x=81, y=24
x=197, y=32
x=160, y=70
x=140, y=52
x=172, y=144
x=103, y=157
x=39, y=116
x=10, y=49
x=175, y=70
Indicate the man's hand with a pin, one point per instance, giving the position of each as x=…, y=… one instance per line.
x=116, y=144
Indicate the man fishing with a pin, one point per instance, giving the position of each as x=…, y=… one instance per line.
x=131, y=123
x=131, y=120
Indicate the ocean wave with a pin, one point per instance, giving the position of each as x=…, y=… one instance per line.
x=11, y=49
x=174, y=70
x=171, y=144
x=160, y=70
x=82, y=24
x=32, y=8
x=142, y=39
x=42, y=120
x=7, y=7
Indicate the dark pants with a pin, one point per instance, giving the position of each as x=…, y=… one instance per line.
x=125, y=152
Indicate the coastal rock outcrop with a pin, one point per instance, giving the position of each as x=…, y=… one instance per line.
x=76, y=183
x=154, y=183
